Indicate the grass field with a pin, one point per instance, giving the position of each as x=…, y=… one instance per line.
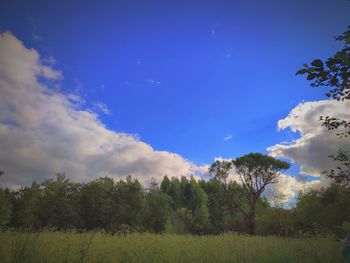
x=99, y=247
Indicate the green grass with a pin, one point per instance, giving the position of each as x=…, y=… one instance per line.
x=100, y=247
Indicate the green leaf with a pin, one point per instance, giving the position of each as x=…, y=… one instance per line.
x=317, y=63
x=342, y=55
x=311, y=76
x=334, y=81
x=347, y=40
x=323, y=75
x=301, y=71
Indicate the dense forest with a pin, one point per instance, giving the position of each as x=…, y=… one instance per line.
x=175, y=205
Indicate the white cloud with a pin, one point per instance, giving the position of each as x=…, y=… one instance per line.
x=316, y=142
x=43, y=131
x=287, y=189
x=311, y=150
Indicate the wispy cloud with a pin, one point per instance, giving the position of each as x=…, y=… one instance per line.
x=102, y=107
x=214, y=30
x=153, y=82
x=36, y=24
x=37, y=37
x=213, y=33
x=228, y=137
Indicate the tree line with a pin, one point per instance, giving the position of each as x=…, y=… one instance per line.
x=176, y=205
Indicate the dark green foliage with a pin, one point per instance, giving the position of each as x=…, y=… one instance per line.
x=264, y=162
x=173, y=190
x=346, y=241
x=341, y=175
x=217, y=204
x=276, y=221
x=97, y=203
x=220, y=170
x=181, y=221
x=57, y=206
x=199, y=207
x=157, y=211
x=180, y=206
x=346, y=253
x=26, y=207
x=130, y=199
x=323, y=210
x=5, y=208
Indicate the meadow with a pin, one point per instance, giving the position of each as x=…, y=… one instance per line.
x=49, y=246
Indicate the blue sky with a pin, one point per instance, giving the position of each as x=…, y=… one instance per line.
x=185, y=75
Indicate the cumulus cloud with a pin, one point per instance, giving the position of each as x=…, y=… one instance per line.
x=287, y=189
x=42, y=131
x=316, y=143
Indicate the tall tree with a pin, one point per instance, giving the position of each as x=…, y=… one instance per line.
x=5, y=208
x=26, y=210
x=58, y=202
x=96, y=204
x=220, y=170
x=130, y=199
x=157, y=209
x=225, y=202
x=198, y=204
x=256, y=171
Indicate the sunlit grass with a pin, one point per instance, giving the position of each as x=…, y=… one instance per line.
x=100, y=247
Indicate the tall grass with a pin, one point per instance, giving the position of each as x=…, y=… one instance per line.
x=99, y=247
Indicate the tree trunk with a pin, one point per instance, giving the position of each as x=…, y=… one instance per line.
x=249, y=219
x=249, y=222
